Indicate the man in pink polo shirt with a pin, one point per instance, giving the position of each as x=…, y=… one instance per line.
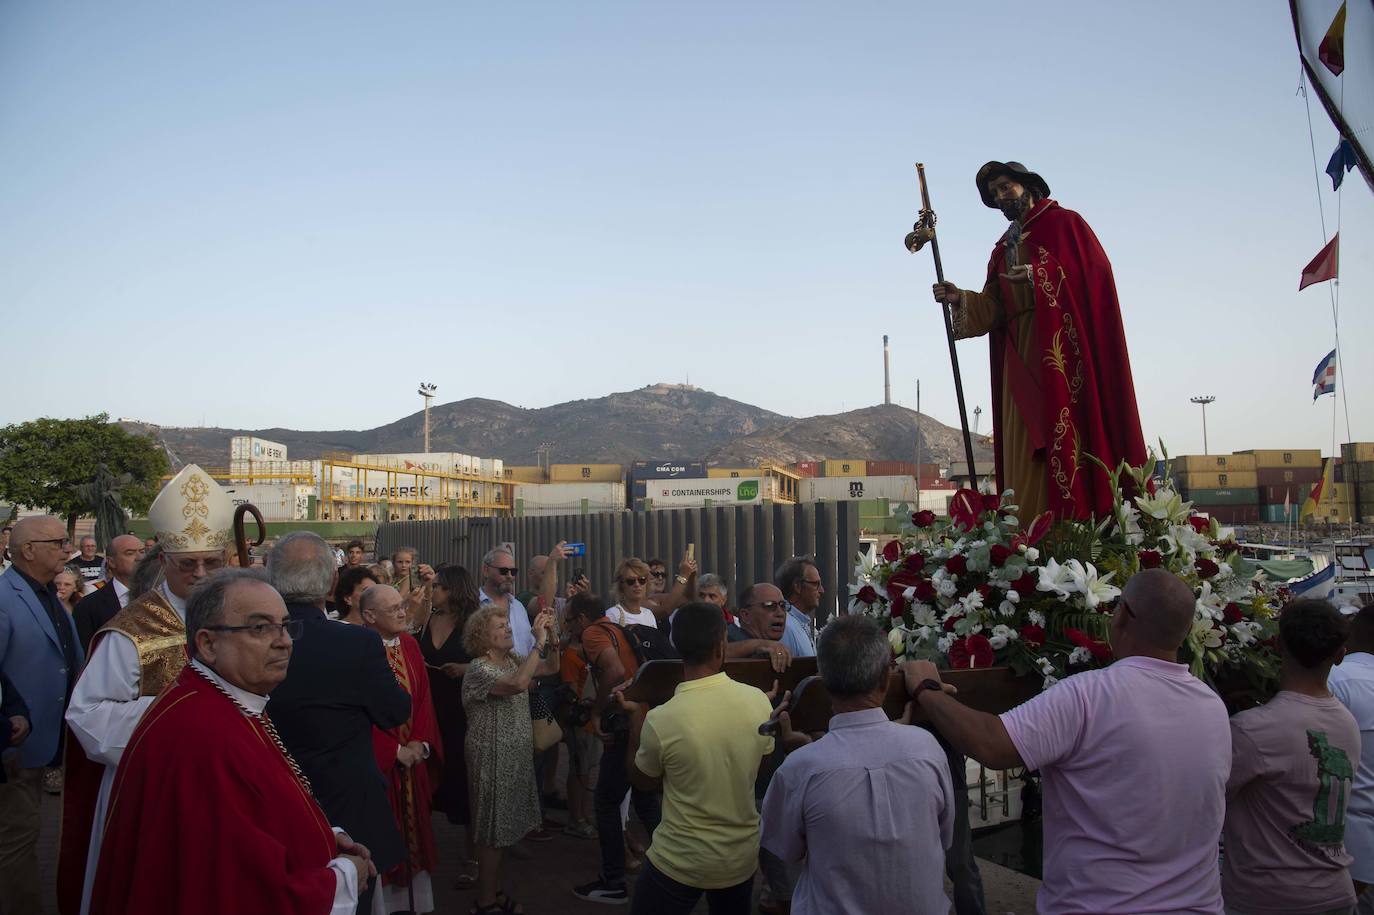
x=1134, y=759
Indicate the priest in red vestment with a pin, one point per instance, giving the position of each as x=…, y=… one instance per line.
x=1062, y=392
x=208, y=814
x=410, y=756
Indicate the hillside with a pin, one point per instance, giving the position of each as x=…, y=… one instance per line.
x=661, y=420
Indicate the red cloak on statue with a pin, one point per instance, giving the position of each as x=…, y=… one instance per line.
x=1078, y=399
x=411, y=790
x=207, y=818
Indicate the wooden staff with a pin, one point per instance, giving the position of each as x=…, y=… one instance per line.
x=241, y=539
x=924, y=231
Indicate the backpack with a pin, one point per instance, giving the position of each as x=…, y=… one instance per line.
x=647, y=643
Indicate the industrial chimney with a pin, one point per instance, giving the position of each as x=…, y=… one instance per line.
x=887, y=374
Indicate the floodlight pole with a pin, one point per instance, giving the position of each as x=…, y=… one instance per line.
x=1202, y=401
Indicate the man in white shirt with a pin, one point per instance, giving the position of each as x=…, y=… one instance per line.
x=100, y=606
x=134, y=656
x=1352, y=682
x=498, y=587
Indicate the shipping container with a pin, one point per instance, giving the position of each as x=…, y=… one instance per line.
x=1302, y=457
x=586, y=473
x=890, y=469
x=1358, y=471
x=1274, y=495
x=1217, y=479
x=1275, y=514
x=689, y=492
x=525, y=474
x=251, y=448
x=276, y=501
x=667, y=470
x=1288, y=476
x=568, y=498
x=806, y=468
x=1362, y=452
x=845, y=468
x=853, y=489
x=729, y=473
x=1189, y=462
x=1231, y=514
x=1223, y=497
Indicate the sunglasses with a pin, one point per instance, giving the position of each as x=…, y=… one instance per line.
x=641, y=580
x=769, y=604
x=659, y=574
x=213, y=564
x=505, y=570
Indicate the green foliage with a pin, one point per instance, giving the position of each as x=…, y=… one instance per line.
x=44, y=461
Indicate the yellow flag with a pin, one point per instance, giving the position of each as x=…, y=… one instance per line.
x=1323, y=488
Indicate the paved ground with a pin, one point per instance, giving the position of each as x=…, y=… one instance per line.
x=541, y=874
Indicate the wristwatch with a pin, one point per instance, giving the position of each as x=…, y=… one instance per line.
x=680, y=579
x=929, y=683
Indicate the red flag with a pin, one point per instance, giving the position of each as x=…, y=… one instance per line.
x=1332, y=49
x=1324, y=266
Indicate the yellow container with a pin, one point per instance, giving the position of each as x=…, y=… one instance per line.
x=1269, y=457
x=523, y=474
x=586, y=473
x=1358, y=452
x=1219, y=479
x=1189, y=463
x=842, y=468
x=719, y=473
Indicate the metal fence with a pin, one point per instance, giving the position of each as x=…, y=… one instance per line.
x=742, y=544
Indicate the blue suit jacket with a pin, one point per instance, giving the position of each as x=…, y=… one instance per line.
x=31, y=657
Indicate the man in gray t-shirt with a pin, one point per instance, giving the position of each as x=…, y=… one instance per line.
x=1293, y=762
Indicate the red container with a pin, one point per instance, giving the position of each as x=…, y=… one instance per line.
x=891, y=469
x=806, y=468
x=1295, y=493
x=1231, y=514
x=1288, y=476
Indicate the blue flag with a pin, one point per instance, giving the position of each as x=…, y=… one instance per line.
x=1342, y=161
x=1324, y=378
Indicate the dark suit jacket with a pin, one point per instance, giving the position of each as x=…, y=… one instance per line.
x=93, y=611
x=337, y=687
x=11, y=705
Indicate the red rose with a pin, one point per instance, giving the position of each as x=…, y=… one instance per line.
x=971, y=651
x=1032, y=634
x=1200, y=524
x=867, y=594
x=1227, y=547
x=1150, y=559
x=915, y=562
x=999, y=554
x=985, y=591
x=957, y=565
x=925, y=591
x=1231, y=613
x=1206, y=568
x=1099, y=651
x=949, y=622
x=991, y=502
x=1025, y=585
x=892, y=550
x=923, y=518
x=900, y=581
x=898, y=607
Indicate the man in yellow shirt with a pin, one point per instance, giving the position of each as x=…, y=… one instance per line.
x=703, y=749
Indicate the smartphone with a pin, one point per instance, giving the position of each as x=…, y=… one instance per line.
x=691, y=551
x=575, y=549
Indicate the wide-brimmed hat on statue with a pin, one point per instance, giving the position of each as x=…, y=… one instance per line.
x=1013, y=170
x=192, y=514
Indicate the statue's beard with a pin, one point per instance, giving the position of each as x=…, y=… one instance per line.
x=1016, y=208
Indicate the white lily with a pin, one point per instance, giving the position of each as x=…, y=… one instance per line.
x=897, y=639
x=1128, y=519
x=1094, y=590
x=1057, y=578
x=1206, y=635
x=1165, y=504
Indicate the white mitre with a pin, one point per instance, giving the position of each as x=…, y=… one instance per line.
x=192, y=514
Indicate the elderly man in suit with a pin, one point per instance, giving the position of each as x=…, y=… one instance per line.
x=339, y=686
x=100, y=606
x=40, y=653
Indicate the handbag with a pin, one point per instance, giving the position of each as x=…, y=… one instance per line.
x=547, y=733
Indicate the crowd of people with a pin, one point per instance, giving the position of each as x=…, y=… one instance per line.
x=278, y=739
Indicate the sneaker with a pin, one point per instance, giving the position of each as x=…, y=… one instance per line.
x=580, y=829
x=600, y=891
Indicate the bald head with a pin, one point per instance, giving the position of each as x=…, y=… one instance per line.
x=1161, y=609
x=38, y=546
x=123, y=555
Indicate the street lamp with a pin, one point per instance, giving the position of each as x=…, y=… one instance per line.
x=427, y=392
x=1203, y=401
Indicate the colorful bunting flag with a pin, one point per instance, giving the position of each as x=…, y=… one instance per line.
x=1324, y=266
x=1342, y=161
x=1323, y=488
x=1324, y=378
x=1332, y=49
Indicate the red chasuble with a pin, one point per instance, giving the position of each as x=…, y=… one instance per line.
x=207, y=818
x=1079, y=398
x=411, y=790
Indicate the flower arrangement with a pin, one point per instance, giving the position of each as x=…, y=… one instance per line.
x=979, y=589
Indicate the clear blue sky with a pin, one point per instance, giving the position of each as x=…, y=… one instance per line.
x=262, y=214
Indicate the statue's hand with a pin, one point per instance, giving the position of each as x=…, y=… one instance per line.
x=1021, y=273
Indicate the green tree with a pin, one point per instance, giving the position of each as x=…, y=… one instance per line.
x=45, y=462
